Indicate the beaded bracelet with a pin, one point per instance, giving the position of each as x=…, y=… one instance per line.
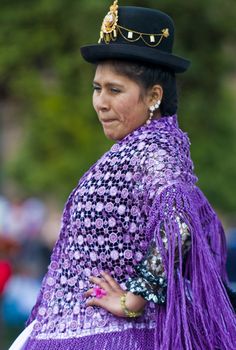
x=127, y=312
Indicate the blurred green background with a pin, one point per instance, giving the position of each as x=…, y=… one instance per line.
x=49, y=133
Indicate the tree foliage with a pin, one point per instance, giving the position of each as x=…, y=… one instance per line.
x=42, y=71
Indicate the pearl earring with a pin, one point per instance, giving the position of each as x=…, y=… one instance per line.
x=152, y=109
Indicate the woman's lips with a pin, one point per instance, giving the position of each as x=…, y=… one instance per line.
x=108, y=121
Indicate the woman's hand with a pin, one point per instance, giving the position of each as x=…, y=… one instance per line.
x=111, y=301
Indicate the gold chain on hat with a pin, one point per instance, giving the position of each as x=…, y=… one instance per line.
x=110, y=29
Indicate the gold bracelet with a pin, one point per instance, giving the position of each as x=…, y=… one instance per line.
x=127, y=312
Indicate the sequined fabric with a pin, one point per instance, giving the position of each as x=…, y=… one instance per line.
x=150, y=281
x=108, y=225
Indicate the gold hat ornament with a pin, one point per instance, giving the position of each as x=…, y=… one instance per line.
x=109, y=24
x=110, y=27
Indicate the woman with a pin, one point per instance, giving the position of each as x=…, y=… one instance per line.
x=140, y=261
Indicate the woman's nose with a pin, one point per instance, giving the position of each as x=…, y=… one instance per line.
x=102, y=101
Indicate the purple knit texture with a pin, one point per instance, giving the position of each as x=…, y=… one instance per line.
x=137, y=189
x=132, y=339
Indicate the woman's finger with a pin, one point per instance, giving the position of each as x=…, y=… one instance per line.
x=101, y=283
x=98, y=302
x=111, y=281
x=88, y=293
x=93, y=302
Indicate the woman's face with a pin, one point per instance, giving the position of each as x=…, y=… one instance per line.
x=118, y=102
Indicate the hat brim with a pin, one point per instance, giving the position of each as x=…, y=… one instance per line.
x=101, y=52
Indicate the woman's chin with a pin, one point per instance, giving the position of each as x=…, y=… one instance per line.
x=112, y=134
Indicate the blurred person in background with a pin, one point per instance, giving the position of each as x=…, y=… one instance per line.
x=140, y=260
x=8, y=249
x=21, y=219
x=23, y=260
x=5, y=274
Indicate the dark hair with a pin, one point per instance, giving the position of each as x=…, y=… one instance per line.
x=149, y=75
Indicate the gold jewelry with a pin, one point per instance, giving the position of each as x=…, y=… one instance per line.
x=151, y=40
x=110, y=29
x=127, y=312
x=109, y=24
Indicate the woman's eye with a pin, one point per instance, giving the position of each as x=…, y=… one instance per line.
x=96, y=88
x=115, y=90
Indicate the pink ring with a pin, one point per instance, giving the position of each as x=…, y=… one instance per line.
x=98, y=292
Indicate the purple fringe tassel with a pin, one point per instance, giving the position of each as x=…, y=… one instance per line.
x=198, y=314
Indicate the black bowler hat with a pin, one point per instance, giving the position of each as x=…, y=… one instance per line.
x=136, y=34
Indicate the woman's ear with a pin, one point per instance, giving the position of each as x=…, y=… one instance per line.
x=156, y=94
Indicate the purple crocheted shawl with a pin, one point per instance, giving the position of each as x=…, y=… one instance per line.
x=135, y=190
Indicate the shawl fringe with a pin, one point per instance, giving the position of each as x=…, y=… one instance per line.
x=198, y=314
